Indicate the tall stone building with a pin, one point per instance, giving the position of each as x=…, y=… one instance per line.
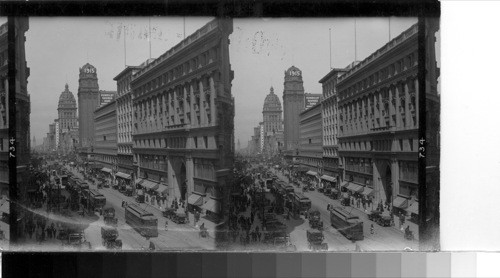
x=124, y=117
x=4, y=112
x=272, y=125
x=310, y=154
x=105, y=138
x=329, y=107
x=293, y=104
x=88, y=101
x=68, y=121
x=378, y=127
x=183, y=113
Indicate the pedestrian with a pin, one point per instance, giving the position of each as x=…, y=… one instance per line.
x=166, y=225
x=372, y=229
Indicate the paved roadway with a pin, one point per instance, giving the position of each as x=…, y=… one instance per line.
x=178, y=236
x=383, y=239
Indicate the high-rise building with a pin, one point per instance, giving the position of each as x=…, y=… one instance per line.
x=88, y=101
x=329, y=107
x=378, y=127
x=310, y=154
x=105, y=138
x=4, y=112
x=184, y=122
x=23, y=138
x=68, y=121
x=124, y=117
x=272, y=124
x=293, y=104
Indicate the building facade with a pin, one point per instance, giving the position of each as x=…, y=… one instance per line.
x=4, y=112
x=293, y=105
x=311, y=141
x=378, y=124
x=105, y=147
x=183, y=120
x=68, y=121
x=88, y=101
x=125, y=124
x=272, y=115
x=329, y=113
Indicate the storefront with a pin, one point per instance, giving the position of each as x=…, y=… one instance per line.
x=328, y=182
x=149, y=187
x=195, y=201
x=399, y=206
x=412, y=218
x=212, y=209
x=161, y=195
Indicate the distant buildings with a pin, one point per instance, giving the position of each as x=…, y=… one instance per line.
x=67, y=137
x=272, y=125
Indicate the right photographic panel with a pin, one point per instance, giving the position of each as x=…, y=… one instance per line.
x=337, y=136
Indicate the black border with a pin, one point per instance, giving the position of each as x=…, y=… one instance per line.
x=12, y=131
x=55, y=264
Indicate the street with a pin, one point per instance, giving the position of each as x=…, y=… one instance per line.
x=383, y=239
x=178, y=236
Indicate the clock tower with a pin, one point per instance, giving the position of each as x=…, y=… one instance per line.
x=88, y=101
x=293, y=104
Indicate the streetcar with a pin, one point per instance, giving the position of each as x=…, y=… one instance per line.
x=144, y=222
x=96, y=200
x=301, y=203
x=347, y=224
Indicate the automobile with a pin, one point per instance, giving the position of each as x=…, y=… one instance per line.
x=76, y=239
x=384, y=221
x=315, y=240
x=110, y=238
x=179, y=218
x=169, y=213
x=315, y=221
x=109, y=216
x=374, y=215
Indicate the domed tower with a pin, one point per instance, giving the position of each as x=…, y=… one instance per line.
x=293, y=102
x=272, y=113
x=88, y=101
x=66, y=110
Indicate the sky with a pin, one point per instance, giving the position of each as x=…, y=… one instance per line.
x=260, y=49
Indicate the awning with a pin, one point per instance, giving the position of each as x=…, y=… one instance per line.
x=367, y=191
x=354, y=187
x=344, y=184
x=212, y=205
x=107, y=170
x=162, y=189
x=123, y=175
x=400, y=202
x=195, y=199
x=413, y=208
x=328, y=178
x=138, y=181
x=149, y=184
x=312, y=173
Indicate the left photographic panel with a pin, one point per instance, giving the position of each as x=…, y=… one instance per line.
x=4, y=135
x=122, y=123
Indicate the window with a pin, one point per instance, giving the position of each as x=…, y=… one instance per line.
x=205, y=140
x=195, y=139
